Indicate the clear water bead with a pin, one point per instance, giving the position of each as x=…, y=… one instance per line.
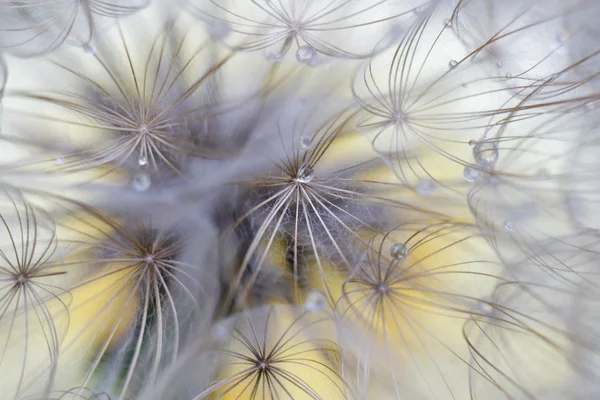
x=142, y=161
x=508, y=226
x=141, y=182
x=472, y=143
x=305, y=142
x=306, y=55
x=485, y=153
x=59, y=161
x=452, y=64
x=398, y=251
x=305, y=174
x=471, y=174
x=315, y=301
x=88, y=50
x=278, y=55
x=426, y=187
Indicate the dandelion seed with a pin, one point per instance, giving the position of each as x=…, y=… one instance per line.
x=147, y=108
x=315, y=28
x=34, y=298
x=276, y=353
x=32, y=28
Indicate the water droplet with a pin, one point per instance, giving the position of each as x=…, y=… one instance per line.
x=471, y=174
x=306, y=55
x=485, y=153
x=472, y=143
x=508, y=226
x=499, y=64
x=508, y=75
x=398, y=251
x=88, y=50
x=452, y=64
x=142, y=161
x=279, y=55
x=305, y=174
x=59, y=161
x=448, y=23
x=426, y=187
x=305, y=141
x=464, y=85
x=315, y=301
x=141, y=182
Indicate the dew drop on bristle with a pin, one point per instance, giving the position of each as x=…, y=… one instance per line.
x=471, y=174
x=398, y=251
x=485, y=153
x=88, y=50
x=452, y=64
x=426, y=187
x=141, y=182
x=59, y=161
x=472, y=143
x=142, y=161
x=279, y=55
x=305, y=142
x=315, y=301
x=508, y=226
x=306, y=55
x=305, y=174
